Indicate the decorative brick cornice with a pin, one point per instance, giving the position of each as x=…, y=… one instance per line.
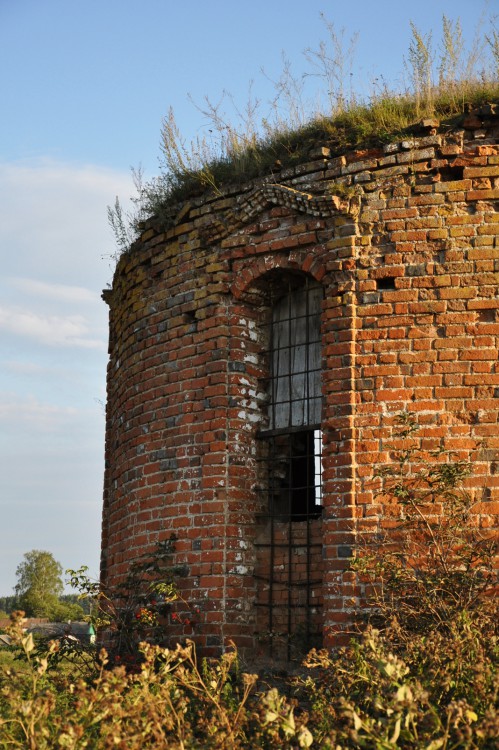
x=248, y=206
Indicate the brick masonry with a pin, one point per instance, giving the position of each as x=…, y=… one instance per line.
x=404, y=240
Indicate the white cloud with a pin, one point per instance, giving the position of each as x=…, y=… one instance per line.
x=37, y=370
x=57, y=292
x=28, y=368
x=54, y=221
x=40, y=417
x=52, y=330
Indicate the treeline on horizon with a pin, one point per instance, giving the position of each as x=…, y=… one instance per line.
x=9, y=604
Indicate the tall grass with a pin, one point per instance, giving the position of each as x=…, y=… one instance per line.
x=322, y=105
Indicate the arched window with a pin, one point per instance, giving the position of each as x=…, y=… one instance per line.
x=289, y=565
x=294, y=399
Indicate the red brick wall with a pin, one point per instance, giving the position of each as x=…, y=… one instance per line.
x=404, y=240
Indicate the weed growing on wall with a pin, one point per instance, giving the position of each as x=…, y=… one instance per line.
x=424, y=672
x=436, y=568
x=139, y=607
x=261, y=138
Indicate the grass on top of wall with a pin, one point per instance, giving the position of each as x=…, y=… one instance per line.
x=263, y=139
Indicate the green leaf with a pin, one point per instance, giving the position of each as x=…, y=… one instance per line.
x=357, y=721
x=396, y=732
x=288, y=724
x=404, y=693
x=28, y=643
x=270, y=716
x=305, y=737
x=435, y=744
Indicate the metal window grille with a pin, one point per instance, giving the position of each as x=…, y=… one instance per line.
x=295, y=357
x=291, y=449
x=295, y=400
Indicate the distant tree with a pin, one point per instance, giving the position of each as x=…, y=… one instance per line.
x=39, y=583
x=64, y=612
x=86, y=605
x=8, y=604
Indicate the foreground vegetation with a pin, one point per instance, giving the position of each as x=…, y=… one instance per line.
x=420, y=673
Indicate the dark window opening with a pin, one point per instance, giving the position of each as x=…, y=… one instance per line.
x=296, y=474
x=294, y=390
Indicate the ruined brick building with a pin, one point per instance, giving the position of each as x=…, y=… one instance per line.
x=260, y=349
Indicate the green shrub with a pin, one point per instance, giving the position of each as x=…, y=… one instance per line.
x=424, y=673
x=136, y=609
x=171, y=702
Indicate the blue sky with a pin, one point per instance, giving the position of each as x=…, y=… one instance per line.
x=85, y=86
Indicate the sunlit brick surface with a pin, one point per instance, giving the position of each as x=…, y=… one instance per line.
x=408, y=256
